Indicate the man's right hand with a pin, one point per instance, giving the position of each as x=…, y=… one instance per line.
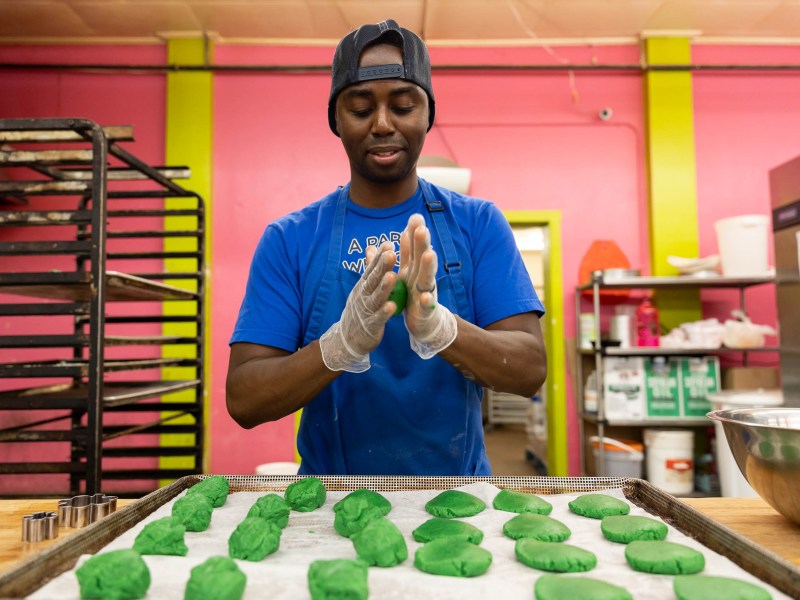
x=348, y=342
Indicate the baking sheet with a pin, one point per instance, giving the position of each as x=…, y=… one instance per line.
x=310, y=536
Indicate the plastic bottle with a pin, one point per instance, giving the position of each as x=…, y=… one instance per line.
x=647, y=328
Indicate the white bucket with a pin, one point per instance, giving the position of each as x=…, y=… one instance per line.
x=670, y=459
x=620, y=459
x=742, y=243
x=731, y=481
x=277, y=468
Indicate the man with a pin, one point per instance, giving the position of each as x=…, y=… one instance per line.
x=383, y=394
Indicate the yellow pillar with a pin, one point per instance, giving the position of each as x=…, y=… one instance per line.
x=672, y=185
x=189, y=121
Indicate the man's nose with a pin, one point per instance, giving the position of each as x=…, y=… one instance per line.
x=382, y=123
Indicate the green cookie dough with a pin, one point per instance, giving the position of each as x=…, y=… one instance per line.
x=597, y=506
x=380, y=543
x=162, y=536
x=218, y=578
x=453, y=503
x=702, y=587
x=338, y=579
x=437, y=528
x=215, y=488
x=253, y=539
x=551, y=556
x=538, y=527
x=354, y=514
x=521, y=502
x=399, y=296
x=373, y=498
x=455, y=558
x=115, y=575
x=664, y=558
x=558, y=587
x=273, y=508
x=305, y=495
x=194, y=511
x=628, y=528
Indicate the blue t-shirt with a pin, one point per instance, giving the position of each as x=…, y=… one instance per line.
x=288, y=278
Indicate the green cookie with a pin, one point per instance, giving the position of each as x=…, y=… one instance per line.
x=372, y=498
x=399, y=296
x=354, y=514
x=538, y=527
x=162, y=536
x=219, y=578
x=306, y=494
x=380, y=543
x=451, y=557
x=339, y=579
x=253, y=539
x=271, y=507
x=437, y=528
x=114, y=575
x=194, y=511
x=216, y=488
x=559, y=587
x=453, y=503
x=664, y=558
x=551, y=556
x=597, y=506
x=521, y=502
x=628, y=528
x=701, y=587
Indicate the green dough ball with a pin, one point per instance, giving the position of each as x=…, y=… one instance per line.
x=453, y=503
x=373, y=498
x=305, y=495
x=162, y=536
x=597, y=506
x=538, y=527
x=219, y=578
x=702, y=587
x=664, y=558
x=521, y=502
x=380, y=543
x=627, y=528
x=451, y=557
x=550, y=556
x=253, y=539
x=115, y=575
x=437, y=528
x=339, y=579
x=354, y=514
x=194, y=511
x=215, y=488
x=271, y=507
x=558, y=587
x=399, y=295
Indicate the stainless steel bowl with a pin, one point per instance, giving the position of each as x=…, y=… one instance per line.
x=766, y=445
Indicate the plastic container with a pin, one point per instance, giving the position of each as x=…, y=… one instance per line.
x=732, y=482
x=742, y=243
x=278, y=468
x=670, y=459
x=622, y=458
x=647, y=328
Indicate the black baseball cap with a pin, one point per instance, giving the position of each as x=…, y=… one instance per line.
x=416, y=65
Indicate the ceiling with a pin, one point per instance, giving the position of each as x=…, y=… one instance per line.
x=437, y=21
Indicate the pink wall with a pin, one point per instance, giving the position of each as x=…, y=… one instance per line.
x=532, y=139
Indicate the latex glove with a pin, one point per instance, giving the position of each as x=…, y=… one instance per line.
x=431, y=326
x=347, y=343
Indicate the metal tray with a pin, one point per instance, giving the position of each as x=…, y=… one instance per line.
x=31, y=574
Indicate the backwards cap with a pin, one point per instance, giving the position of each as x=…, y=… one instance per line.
x=416, y=66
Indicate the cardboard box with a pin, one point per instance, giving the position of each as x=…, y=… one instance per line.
x=751, y=378
x=663, y=387
x=699, y=377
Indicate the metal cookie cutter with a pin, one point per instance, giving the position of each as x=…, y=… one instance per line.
x=39, y=526
x=80, y=511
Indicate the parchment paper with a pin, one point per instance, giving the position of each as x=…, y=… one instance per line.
x=311, y=536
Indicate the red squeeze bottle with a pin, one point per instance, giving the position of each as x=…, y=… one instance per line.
x=647, y=327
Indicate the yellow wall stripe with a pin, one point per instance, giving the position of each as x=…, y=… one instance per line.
x=189, y=121
x=672, y=190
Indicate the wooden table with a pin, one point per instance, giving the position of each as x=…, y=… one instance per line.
x=751, y=518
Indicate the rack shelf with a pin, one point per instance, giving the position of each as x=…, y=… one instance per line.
x=84, y=270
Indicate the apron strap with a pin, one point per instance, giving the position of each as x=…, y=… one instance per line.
x=452, y=266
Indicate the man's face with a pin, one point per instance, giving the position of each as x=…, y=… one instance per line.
x=382, y=123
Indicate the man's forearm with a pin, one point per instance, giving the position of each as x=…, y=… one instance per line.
x=503, y=360
x=262, y=389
